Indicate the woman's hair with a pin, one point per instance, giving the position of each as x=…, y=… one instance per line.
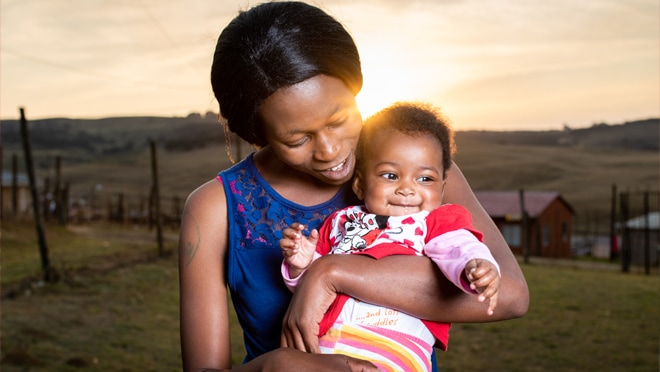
x=411, y=118
x=275, y=45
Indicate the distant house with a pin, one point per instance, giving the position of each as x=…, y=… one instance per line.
x=550, y=221
x=21, y=195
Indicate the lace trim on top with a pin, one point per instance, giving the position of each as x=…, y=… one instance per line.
x=263, y=213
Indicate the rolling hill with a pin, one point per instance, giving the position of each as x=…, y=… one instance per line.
x=582, y=164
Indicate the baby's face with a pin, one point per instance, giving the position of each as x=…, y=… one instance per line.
x=402, y=174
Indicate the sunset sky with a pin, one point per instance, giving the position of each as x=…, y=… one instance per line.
x=493, y=65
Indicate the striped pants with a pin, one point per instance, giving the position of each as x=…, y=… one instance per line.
x=387, y=349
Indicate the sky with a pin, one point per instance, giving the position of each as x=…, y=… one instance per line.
x=488, y=65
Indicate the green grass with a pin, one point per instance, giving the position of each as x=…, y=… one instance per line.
x=578, y=320
x=115, y=306
x=116, y=309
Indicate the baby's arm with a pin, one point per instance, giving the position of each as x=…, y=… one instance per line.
x=453, y=251
x=298, y=250
x=484, y=278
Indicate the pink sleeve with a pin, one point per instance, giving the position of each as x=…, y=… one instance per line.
x=452, y=250
x=290, y=282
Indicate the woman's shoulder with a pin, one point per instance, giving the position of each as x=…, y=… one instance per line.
x=204, y=224
x=209, y=194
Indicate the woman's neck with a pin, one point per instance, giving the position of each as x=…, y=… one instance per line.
x=296, y=186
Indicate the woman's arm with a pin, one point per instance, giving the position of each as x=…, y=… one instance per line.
x=205, y=337
x=513, y=298
x=407, y=283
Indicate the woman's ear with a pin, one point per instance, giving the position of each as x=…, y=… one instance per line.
x=357, y=186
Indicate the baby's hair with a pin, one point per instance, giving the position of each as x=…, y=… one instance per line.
x=411, y=118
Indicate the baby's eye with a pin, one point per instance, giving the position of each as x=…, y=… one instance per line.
x=425, y=179
x=389, y=176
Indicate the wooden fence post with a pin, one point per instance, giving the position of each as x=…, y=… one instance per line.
x=45, y=202
x=64, y=205
x=119, y=214
x=14, y=185
x=625, y=234
x=2, y=180
x=59, y=195
x=41, y=236
x=613, y=245
x=525, y=227
x=647, y=235
x=154, y=180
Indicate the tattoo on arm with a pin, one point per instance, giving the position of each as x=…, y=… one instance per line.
x=190, y=247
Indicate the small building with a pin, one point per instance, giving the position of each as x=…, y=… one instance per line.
x=549, y=221
x=16, y=197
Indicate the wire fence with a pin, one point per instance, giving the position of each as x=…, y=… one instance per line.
x=97, y=206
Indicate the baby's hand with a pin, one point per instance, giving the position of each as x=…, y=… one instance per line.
x=298, y=250
x=485, y=280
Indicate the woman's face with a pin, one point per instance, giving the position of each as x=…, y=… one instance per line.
x=313, y=127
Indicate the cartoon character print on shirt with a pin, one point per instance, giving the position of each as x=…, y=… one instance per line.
x=357, y=230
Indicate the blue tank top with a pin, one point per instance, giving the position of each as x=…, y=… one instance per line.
x=257, y=214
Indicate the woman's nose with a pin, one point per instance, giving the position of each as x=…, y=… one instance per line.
x=326, y=148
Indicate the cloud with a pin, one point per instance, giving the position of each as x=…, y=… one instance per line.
x=116, y=57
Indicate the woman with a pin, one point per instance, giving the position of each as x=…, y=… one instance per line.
x=285, y=76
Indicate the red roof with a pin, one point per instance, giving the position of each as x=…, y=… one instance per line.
x=507, y=203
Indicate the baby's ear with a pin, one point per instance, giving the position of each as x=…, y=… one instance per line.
x=357, y=185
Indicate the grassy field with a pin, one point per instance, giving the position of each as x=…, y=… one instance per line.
x=115, y=308
x=583, y=176
x=579, y=320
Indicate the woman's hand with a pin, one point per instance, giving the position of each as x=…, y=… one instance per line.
x=312, y=298
x=286, y=359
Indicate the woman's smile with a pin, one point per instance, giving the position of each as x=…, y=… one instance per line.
x=341, y=171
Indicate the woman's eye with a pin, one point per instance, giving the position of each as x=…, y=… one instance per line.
x=298, y=143
x=337, y=123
